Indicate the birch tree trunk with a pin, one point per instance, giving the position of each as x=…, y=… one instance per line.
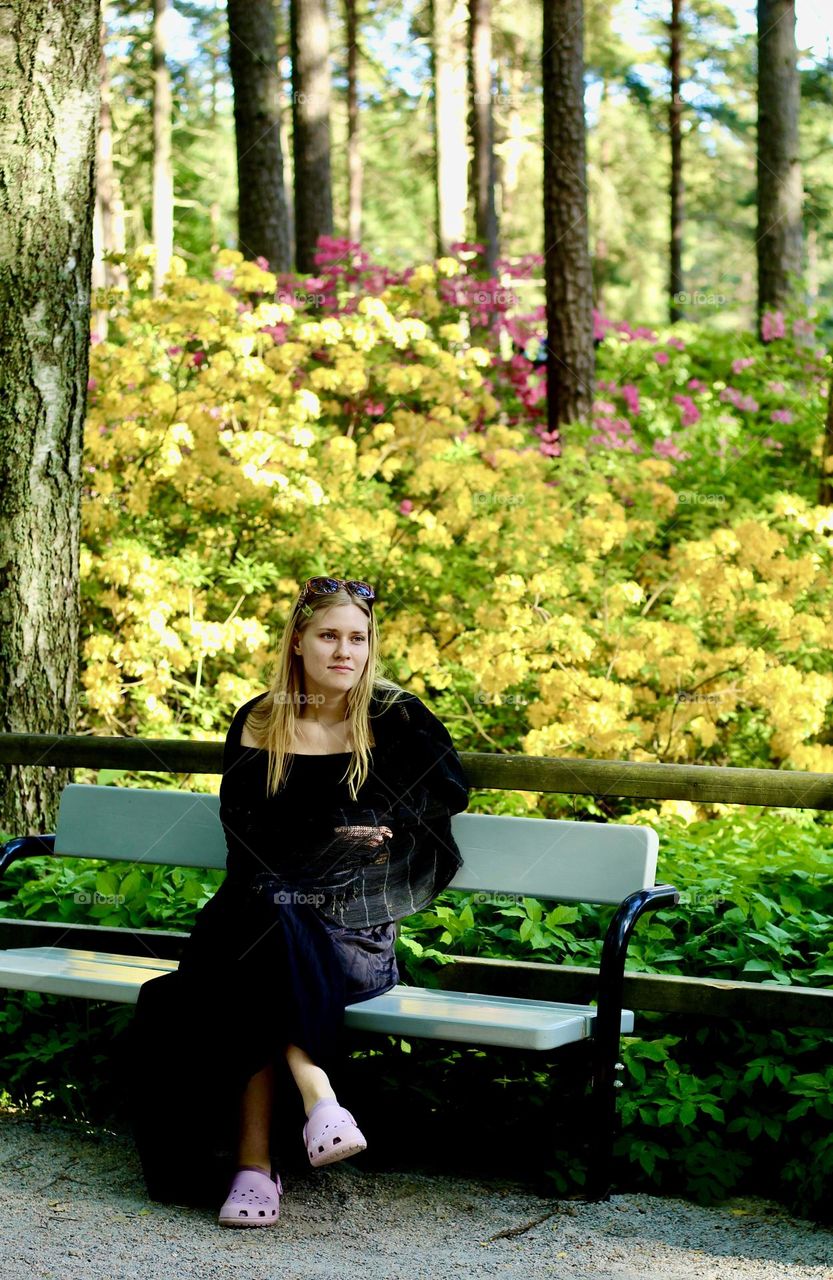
x=450, y=24
x=569, y=282
x=310, y=43
x=779, y=241
x=49, y=91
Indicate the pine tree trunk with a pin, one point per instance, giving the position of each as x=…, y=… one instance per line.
x=482, y=131
x=354, y=155
x=779, y=240
x=675, y=114
x=163, y=178
x=310, y=42
x=450, y=36
x=568, y=276
x=262, y=229
x=50, y=93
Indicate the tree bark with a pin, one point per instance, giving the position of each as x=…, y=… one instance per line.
x=568, y=276
x=675, y=115
x=262, y=229
x=108, y=223
x=163, y=178
x=482, y=131
x=450, y=25
x=49, y=91
x=780, y=195
x=310, y=44
x=354, y=155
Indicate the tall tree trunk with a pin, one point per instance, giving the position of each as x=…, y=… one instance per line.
x=163, y=179
x=675, y=115
x=108, y=223
x=780, y=193
x=568, y=276
x=482, y=131
x=450, y=20
x=513, y=147
x=354, y=155
x=826, y=483
x=262, y=229
x=599, y=261
x=310, y=42
x=50, y=94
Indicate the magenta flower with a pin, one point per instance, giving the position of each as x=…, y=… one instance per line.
x=661, y=357
x=743, y=363
x=197, y=359
x=694, y=384
x=676, y=342
x=772, y=325
x=668, y=449
x=406, y=506
x=91, y=384
x=781, y=415
x=630, y=395
x=691, y=413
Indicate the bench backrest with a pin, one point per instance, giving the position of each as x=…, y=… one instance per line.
x=540, y=858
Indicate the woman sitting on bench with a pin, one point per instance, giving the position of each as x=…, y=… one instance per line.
x=336, y=799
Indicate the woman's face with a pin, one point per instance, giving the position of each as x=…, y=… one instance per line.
x=334, y=648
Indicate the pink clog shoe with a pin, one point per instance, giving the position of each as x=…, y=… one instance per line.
x=331, y=1134
x=253, y=1199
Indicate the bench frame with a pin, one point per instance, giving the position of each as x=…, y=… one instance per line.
x=605, y=1041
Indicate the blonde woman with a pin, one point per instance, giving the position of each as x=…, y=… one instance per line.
x=336, y=798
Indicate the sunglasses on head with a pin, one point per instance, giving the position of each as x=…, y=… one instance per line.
x=327, y=586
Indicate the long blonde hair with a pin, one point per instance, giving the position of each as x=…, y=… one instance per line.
x=272, y=721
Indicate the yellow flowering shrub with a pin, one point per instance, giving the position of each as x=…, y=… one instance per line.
x=236, y=444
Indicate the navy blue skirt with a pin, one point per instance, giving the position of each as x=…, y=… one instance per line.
x=254, y=976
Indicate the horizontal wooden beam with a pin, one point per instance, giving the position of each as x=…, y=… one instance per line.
x=744, y=1002
x=771, y=788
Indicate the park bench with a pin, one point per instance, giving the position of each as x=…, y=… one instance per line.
x=565, y=861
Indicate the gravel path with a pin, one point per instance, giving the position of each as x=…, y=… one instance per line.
x=74, y=1208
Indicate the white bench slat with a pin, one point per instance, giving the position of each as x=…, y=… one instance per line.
x=426, y=1013
x=548, y=858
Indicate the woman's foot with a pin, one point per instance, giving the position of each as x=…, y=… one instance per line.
x=331, y=1133
x=253, y=1199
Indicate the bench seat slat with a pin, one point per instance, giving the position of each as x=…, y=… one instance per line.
x=421, y=1012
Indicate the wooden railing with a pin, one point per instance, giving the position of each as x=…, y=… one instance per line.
x=747, y=1002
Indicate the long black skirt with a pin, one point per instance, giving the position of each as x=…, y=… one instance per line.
x=254, y=976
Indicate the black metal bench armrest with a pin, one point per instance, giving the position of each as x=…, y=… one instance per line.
x=24, y=847
x=608, y=1029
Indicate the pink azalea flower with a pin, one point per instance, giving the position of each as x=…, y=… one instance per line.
x=172, y=351
x=91, y=384
x=676, y=342
x=406, y=506
x=197, y=359
x=772, y=325
x=668, y=449
x=694, y=384
x=661, y=357
x=743, y=363
x=691, y=413
x=630, y=395
x=776, y=386
x=781, y=415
